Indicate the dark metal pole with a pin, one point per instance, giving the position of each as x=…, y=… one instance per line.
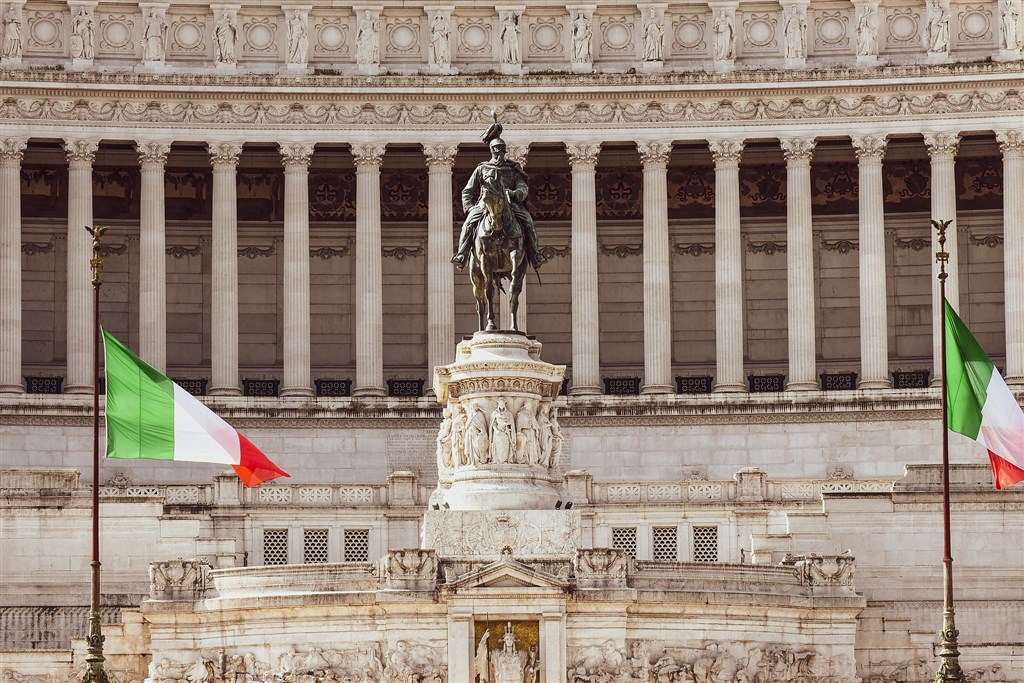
x=94, y=672
x=949, y=671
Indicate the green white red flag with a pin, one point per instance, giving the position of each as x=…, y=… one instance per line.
x=981, y=406
x=149, y=416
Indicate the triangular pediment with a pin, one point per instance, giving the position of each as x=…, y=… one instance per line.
x=508, y=573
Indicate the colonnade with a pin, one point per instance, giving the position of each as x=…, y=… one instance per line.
x=440, y=158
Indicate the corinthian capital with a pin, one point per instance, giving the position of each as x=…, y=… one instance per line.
x=296, y=154
x=942, y=144
x=368, y=154
x=725, y=152
x=518, y=153
x=583, y=153
x=1011, y=142
x=224, y=153
x=870, y=146
x=797, y=149
x=81, y=151
x=153, y=152
x=655, y=153
x=440, y=155
x=12, y=149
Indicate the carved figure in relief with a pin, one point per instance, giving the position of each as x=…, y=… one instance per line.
x=936, y=37
x=440, y=34
x=509, y=38
x=82, y=34
x=503, y=434
x=367, y=40
x=1010, y=22
x=460, y=455
x=725, y=37
x=12, y=33
x=544, y=435
x=654, y=38
x=532, y=672
x=477, y=445
x=298, y=38
x=582, y=39
x=154, y=36
x=444, y=441
x=482, y=663
x=794, y=30
x=556, y=437
x=226, y=34
x=528, y=449
x=867, y=31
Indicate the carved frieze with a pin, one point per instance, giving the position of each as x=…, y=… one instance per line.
x=178, y=579
x=529, y=532
x=828, y=571
x=600, y=567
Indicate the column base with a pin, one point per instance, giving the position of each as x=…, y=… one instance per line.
x=658, y=389
x=585, y=390
x=78, y=389
x=802, y=386
x=874, y=384
x=299, y=392
x=224, y=391
x=369, y=391
x=729, y=388
x=12, y=389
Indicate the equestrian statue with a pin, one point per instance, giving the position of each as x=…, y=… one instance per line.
x=498, y=239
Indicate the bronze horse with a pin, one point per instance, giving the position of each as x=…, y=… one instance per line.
x=497, y=255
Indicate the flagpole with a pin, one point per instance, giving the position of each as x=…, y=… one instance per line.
x=949, y=671
x=94, y=672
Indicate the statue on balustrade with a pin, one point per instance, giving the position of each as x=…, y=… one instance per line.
x=498, y=239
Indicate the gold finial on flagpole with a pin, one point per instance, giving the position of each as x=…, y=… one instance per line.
x=96, y=262
x=942, y=256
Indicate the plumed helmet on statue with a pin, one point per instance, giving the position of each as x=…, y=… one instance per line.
x=493, y=132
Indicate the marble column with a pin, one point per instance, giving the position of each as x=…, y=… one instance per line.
x=800, y=264
x=440, y=272
x=728, y=266
x=80, y=155
x=657, y=276
x=942, y=148
x=11, y=152
x=874, y=342
x=369, y=280
x=152, y=255
x=224, y=270
x=586, y=359
x=296, y=158
x=1011, y=142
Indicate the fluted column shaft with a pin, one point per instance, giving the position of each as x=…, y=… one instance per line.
x=728, y=266
x=296, y=158
x=943, y=147
x=369, y=280
x=800, y=264
x=224, y=270
x=657, y=277
x=152, y=255
x=1012, y=145
x=80, y=154
x=11, y=152
x=586, y=359
x=874, y=342
x=440, y=274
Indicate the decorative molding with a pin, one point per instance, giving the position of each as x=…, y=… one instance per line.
x=726, y=152
x=915, y=243
x=620, y=250
x=34, y=248
x=442, y=155
x=870, y=146
x=549, y=252
x=368, y=155
x=798, y=149
x=154, y=152
x=694, y=249
x=295, y=154
x=769, y=248
x=402, y=253
x=113, y=249
x=841, y=246
x=13, y=149
x=583, y=154
x=253, y=252
x=178, y=251
x=327, y=253
x=942, y=144
x=990, y=241
x=224, y=153
x=654, y=153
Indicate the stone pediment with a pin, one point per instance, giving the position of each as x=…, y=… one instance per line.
x=508, y=573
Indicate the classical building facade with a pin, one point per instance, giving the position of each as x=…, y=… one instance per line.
x=733, y=202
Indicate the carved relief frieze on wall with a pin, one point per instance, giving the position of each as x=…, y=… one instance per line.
x=259, y=36
x=402, y=38
x=974, y=26
x=832, y=33
x=689, y=34
x=46, y=31
x=545, y=37
x=616, y=36
x=759, y=33
x=188, y=36
x=331, y=36
x=903, y=29
x=117, y=35
x=475, y=38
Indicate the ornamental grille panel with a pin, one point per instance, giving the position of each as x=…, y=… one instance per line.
x=766, y=383
x=705, y=544
x=665, y=543
x=356, y=544
x=260, y=387
x=275, y=546
x=838, y=381
x=405, y=387
x=693, y=385
x=43, y=385
x=333, y=388
x=621, y=386
x=910, y=379
x=314, y=546
x=624, y=538
x=196, y=387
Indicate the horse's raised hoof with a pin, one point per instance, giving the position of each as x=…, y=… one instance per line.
x=491, y=327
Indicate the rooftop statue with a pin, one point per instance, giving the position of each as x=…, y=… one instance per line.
x=498, y=238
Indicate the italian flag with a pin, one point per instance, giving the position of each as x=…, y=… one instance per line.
x=980, y=404
x=149, y=416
